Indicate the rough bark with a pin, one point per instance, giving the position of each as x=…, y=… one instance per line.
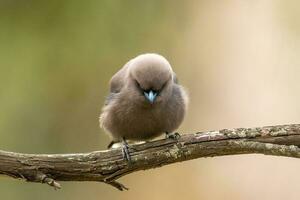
x=107, y=166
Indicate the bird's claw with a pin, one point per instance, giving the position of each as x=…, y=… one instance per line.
x=126, y=154
x=174, y=136
x=125, y=151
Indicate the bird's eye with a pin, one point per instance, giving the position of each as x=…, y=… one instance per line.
x=139, y=87
x=162, y=87
x=137, y=84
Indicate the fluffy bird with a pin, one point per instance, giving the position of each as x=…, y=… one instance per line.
x=145, y=101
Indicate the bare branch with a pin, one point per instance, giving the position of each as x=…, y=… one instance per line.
x=108, y=166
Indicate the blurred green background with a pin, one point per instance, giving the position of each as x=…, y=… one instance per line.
x=239, y=61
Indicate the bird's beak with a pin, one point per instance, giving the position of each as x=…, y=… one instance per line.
x=150, y=96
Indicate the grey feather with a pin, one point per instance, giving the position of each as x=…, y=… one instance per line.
x=175, y=79
x=109, y=98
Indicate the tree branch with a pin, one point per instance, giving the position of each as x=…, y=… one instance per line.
x=108, y=166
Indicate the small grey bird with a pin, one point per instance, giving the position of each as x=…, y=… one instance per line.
x=145, y=101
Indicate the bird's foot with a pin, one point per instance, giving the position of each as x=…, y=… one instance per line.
x=174, y=136
x=125, y=151
x=110, y=145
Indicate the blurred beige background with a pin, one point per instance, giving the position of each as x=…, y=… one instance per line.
x=240, y=61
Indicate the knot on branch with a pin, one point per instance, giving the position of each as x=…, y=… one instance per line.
x=43, y=178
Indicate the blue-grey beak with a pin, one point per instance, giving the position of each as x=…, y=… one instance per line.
x=150, y=96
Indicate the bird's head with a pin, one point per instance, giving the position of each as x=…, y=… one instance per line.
x=151, y=78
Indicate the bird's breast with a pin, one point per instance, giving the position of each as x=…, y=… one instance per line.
x=140, y=123
x=133, y=120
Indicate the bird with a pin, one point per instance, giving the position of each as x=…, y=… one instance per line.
x=145, y=101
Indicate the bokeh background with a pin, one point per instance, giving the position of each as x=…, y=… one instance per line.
x=239, y=60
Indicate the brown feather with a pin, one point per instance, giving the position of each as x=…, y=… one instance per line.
x=127, y=114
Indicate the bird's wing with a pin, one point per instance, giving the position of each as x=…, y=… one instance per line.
x=109, y=98
x=118, y=80
x=116, y=83
x=175, y=79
